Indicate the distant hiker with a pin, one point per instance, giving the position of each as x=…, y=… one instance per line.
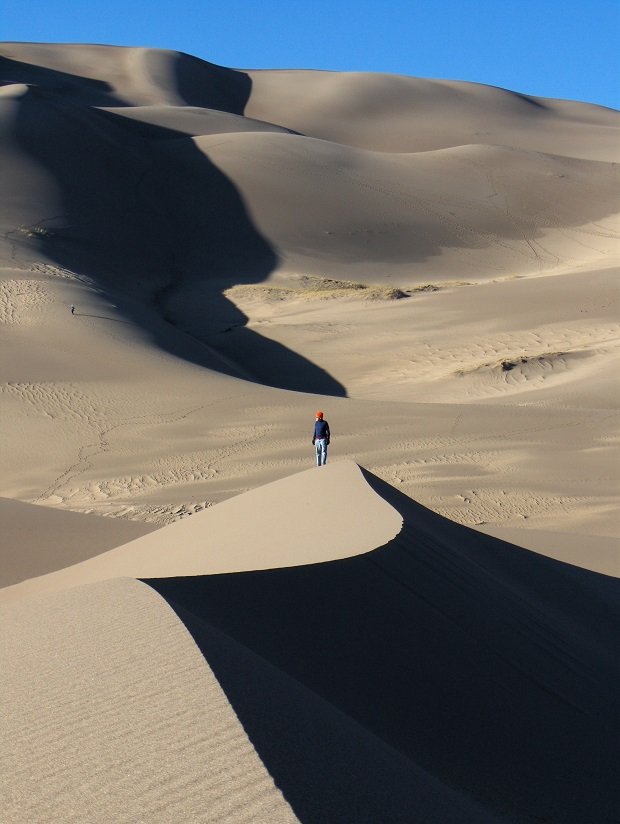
x=320, y=439
x=72, y=309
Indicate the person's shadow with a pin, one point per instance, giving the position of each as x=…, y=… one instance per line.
x=155, y=224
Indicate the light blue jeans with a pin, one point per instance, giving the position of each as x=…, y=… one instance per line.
x=321, y=451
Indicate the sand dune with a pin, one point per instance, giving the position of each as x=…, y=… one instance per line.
x=435, y=265
x=353, y=108
x=107, y=75
x=455, y=635
x=558, y=345
x=349, y=108
x=476, y=211
x=194, y=121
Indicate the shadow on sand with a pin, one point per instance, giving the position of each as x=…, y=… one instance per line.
x=99, y=317
x=447, y=676
x=153, y=223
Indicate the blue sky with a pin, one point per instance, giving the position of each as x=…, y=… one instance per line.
x=550, y=48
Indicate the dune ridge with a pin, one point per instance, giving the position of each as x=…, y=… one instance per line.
x=225, y=539
x=428, y=114
x=482, y=636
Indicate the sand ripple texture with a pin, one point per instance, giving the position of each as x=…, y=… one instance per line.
x=22, y=301
x=110, y=713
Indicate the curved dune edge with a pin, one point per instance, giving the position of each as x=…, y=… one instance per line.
x=316, y=515
x=444, y=659
x=112, y=714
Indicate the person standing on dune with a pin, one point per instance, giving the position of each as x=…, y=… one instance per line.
x=320, y=439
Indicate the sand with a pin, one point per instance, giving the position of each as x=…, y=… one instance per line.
x=453, y=634
x=432, y=263
x=224, y=539
x=110, y=713
x=37, y=540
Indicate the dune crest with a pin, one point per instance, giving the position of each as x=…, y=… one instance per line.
x=469, y=647
x=277, y=525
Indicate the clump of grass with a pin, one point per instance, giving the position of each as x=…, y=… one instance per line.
x=426, y=287
x=34, y=231
x=508, y=364
x=316, y=288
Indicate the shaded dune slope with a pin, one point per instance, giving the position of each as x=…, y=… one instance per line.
x=146, y=209
x=101, y=204
x=468, y=661
x=147, y=219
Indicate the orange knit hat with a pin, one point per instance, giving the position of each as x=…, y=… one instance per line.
x=319, y=414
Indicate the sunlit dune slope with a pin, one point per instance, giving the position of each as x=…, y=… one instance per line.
x=272, y=526
x=473, y=211
x=354, y=107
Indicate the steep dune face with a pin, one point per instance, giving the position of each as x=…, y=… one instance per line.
x=477, y=662
x=123, y=206
x=91, y=216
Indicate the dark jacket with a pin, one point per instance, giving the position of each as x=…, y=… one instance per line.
x=321, y=430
